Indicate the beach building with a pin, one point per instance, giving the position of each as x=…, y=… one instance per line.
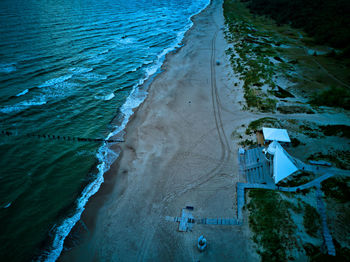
x=275, y=134
x=269, y=162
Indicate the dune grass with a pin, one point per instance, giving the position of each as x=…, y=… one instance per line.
x=270, y=221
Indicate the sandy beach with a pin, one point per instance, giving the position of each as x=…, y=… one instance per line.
x=179, y=151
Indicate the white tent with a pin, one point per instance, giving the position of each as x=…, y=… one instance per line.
x=280, y=135
x=283, y=163
x=272, y=147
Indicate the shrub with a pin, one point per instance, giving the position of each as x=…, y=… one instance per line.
x=333, y=97
x=337, y=188
x=336, y=130
x=312, y=220
x=270, y=221
x=326, y=20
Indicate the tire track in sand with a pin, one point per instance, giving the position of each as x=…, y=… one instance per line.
x=219, y=126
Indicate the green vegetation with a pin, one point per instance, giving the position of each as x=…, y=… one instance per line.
x=295, y=142
x=270, y=221
x=258, y=99
x=333, y=97
x=295, y=110
x=309, y=131
x=336, y=130
x=246, y=143
x=327, y=20
x=340, y=158
x=258, y=124
x=315, y=255
x=262, y=52
x=312, y=220
x=297, y=179
x=337, y=188
x=253, y=50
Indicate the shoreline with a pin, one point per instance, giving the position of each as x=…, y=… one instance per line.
x=116, y=179
x=139, y=94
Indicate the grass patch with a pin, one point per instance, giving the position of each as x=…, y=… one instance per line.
x=326, y=20
x=333, y=97
x=295, y=110
x=246, y=143
x=315, y=255
x=254, y=48
x=309, y=131
x=337, y=188
x=295, y=142
x=258, y=124
x=259, y=100
x=297, y=179
x=340, y=158
x=270, y=221
x=336, y=130
x=312, y=220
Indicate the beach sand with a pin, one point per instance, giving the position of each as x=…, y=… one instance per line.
x=178, y=152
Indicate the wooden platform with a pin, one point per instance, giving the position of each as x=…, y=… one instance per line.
x=255, y=166
x=186, y=221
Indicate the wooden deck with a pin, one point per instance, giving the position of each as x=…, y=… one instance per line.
x=255, y=166
x=326, y=235
x=186, y=221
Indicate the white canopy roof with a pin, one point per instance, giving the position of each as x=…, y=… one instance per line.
x=283, y=163
x=277, y=134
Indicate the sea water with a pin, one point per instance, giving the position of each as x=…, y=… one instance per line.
x=70, y=68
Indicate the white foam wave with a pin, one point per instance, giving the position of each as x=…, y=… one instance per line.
x=21, y=106
x=23, y=93
x=7, y=68
x=94, y=76
x=141, y=65
x=80, y=70
x=106, y=97
x=127, y=40
x=107, y=50
x=63, y=89
x=95, y=59
x=56, y=80
x=107, y=156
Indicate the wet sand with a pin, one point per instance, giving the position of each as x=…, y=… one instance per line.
x=178, y=152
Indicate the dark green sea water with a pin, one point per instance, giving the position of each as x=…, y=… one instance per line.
x=69, y=68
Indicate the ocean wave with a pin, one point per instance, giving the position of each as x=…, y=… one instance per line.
x=80, y=70
x=59, y=90
x=56, y=80
x=23, y=92
x=107, y=50
x=147, y=62
x=126, y=40
x=8, y=68
x=21, y=106
x=97, y=59
x=106, y=158
x=106, y=97
x=94, y=76
x=105, y=155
